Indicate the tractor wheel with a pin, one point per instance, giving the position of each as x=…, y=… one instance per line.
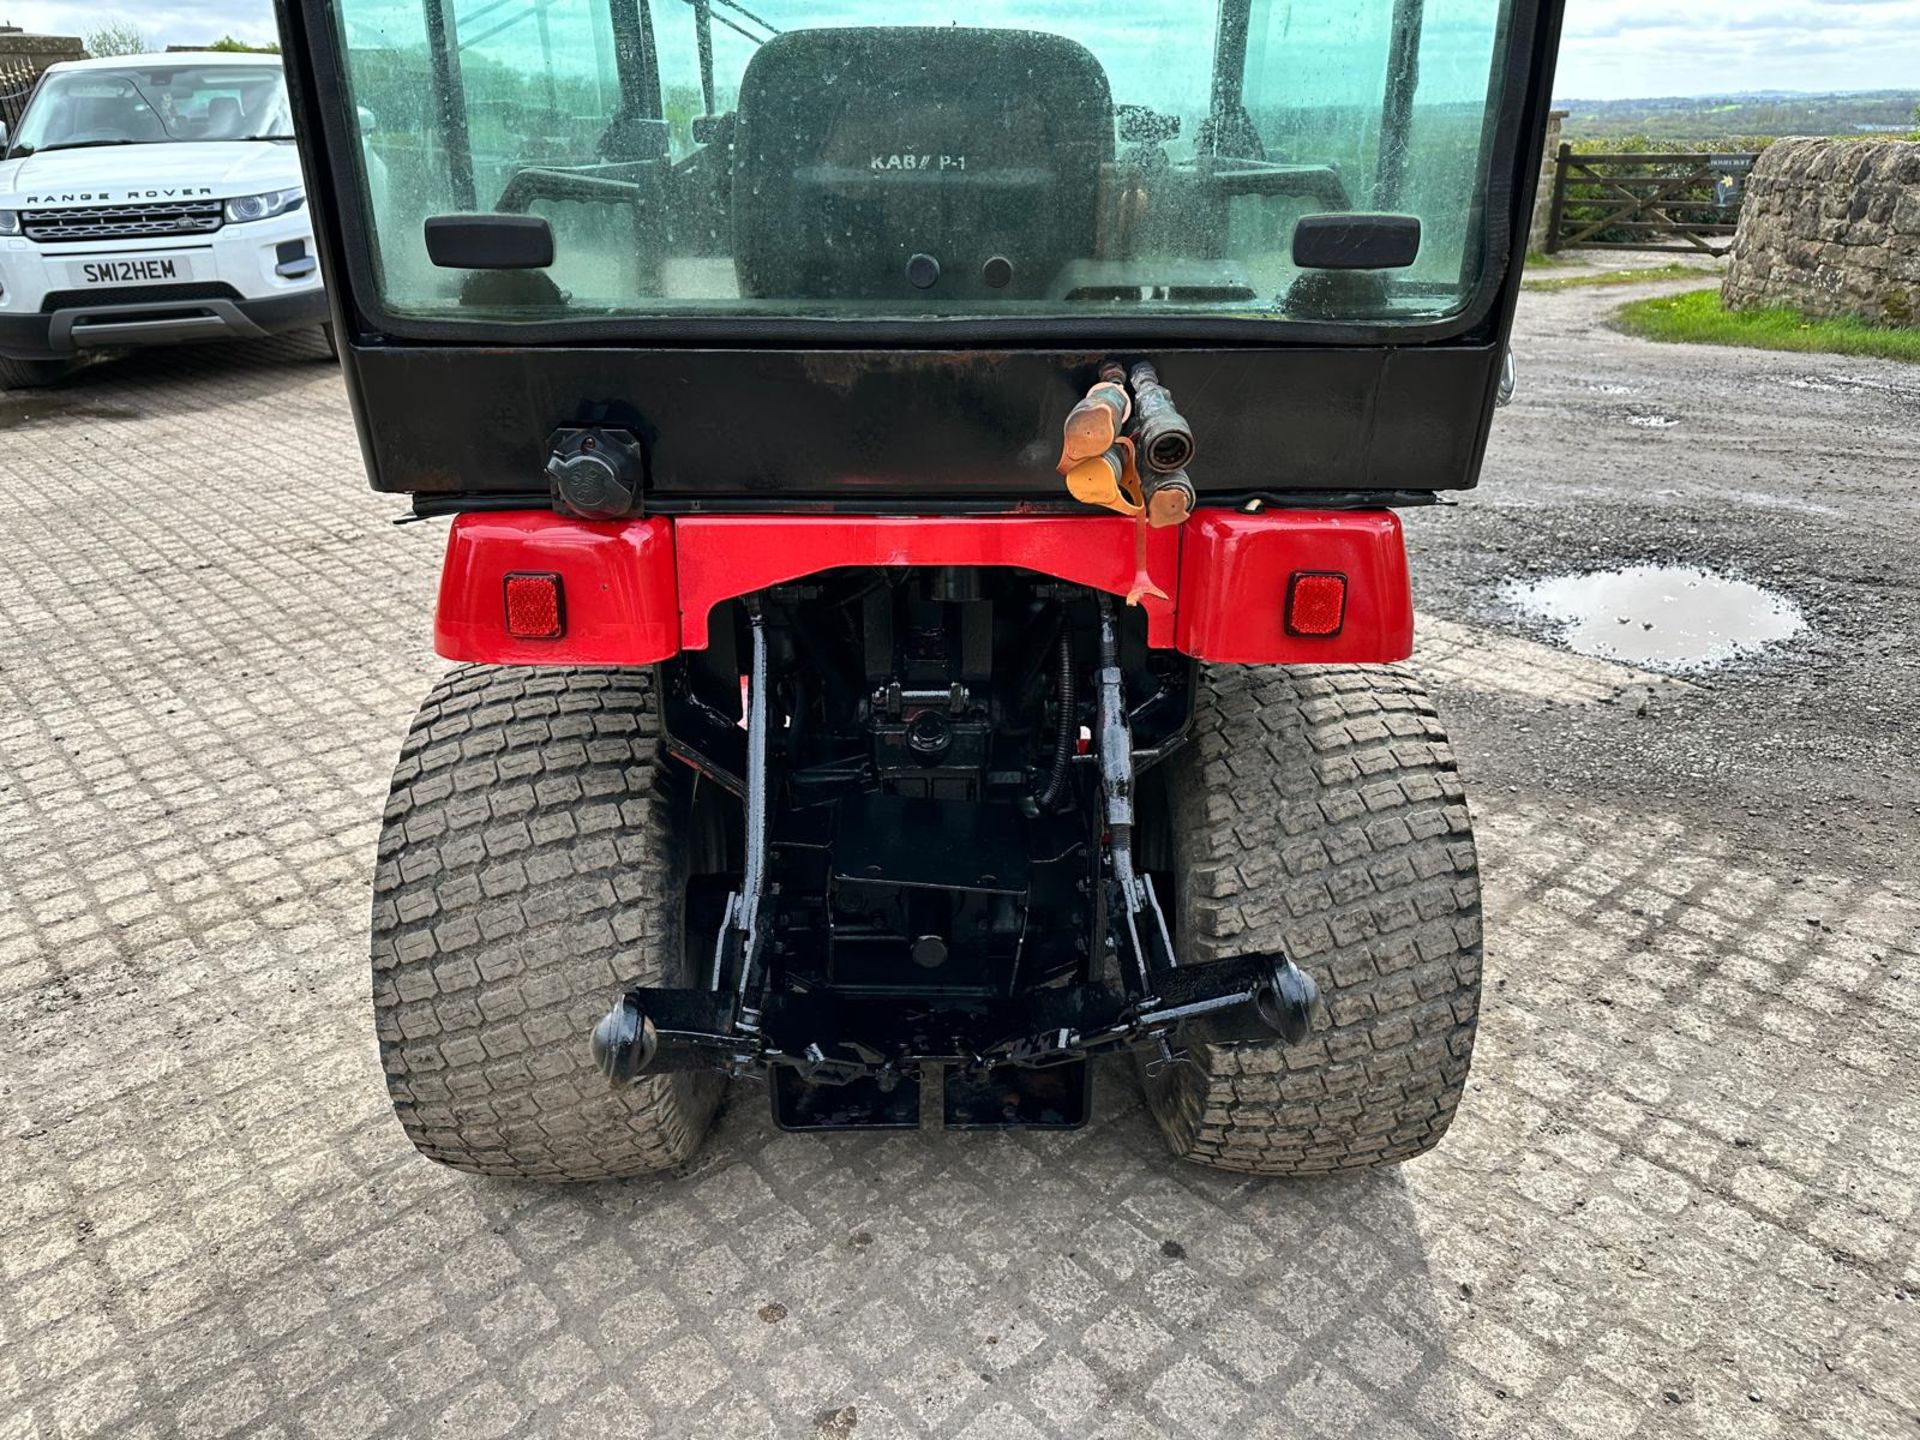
x=1317, y=811
x=32, y=374
x=534, y=861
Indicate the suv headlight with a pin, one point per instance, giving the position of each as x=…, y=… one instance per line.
x=243, y=208
x=9, y=222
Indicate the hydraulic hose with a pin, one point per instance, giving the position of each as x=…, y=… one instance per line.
x=1065, y=731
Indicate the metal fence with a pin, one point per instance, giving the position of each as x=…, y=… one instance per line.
x=17, y=77
x=1682, y=202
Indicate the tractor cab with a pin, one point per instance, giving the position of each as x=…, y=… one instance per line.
x=923, y=547
x=1317, y=185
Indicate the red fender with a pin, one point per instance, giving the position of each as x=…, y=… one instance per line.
x=635, y=592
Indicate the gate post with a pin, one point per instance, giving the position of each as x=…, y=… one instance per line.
x=1557, y=213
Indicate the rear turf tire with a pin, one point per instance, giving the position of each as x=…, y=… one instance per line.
x=1317, y=810
x=533, y=863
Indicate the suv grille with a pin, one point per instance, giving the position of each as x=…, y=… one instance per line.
x=149, y=295
x=124, y=222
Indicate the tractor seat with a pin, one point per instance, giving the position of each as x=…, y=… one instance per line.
x=929, y=166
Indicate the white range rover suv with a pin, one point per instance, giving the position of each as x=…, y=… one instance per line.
x=148, y=199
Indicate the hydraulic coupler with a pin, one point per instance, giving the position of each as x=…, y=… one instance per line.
x=1126, y=447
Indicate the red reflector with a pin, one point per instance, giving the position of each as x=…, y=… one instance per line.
x=533, y=607
x=1316, y=603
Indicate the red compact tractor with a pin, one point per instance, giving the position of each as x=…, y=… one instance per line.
x=923, y=559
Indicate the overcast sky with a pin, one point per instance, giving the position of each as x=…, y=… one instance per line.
x=1613, y=48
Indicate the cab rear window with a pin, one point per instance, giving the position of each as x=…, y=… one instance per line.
x=914, y=160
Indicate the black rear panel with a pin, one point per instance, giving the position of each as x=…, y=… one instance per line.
x=929, y=425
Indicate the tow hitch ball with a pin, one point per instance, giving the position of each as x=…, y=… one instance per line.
x=624, y=1042
x=1285, y=1002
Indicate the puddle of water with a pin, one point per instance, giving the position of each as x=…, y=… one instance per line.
x=1664, y=617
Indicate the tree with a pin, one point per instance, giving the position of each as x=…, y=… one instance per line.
x=228, y=43
x=117, y=37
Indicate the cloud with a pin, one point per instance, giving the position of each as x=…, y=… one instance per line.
x=1615, y=48
x=163, y=24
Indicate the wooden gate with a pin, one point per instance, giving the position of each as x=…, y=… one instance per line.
x=1678, y=202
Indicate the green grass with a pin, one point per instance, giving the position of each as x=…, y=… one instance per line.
x=1642, y=276
x=1540, y=260
x=1697, y=317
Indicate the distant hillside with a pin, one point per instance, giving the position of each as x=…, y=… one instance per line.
x=1757, y=113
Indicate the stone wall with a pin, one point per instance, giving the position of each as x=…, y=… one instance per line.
x=35, y=52
x=1831, y=227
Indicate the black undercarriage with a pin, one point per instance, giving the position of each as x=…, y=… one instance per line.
x=937, y=857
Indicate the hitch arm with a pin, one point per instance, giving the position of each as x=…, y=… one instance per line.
x=1141, y=932
x=715, y=1027
x=1281, y=993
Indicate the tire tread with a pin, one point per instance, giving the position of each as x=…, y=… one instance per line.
x=1318, y=810
x=528, y=869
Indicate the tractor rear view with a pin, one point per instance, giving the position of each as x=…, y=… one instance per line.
x=923, y=556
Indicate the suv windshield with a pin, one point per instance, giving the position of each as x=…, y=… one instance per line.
x=909, y=159
x=152, y=103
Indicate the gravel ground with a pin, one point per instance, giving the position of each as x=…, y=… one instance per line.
x=1680, y=1198
x=1797, y=472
